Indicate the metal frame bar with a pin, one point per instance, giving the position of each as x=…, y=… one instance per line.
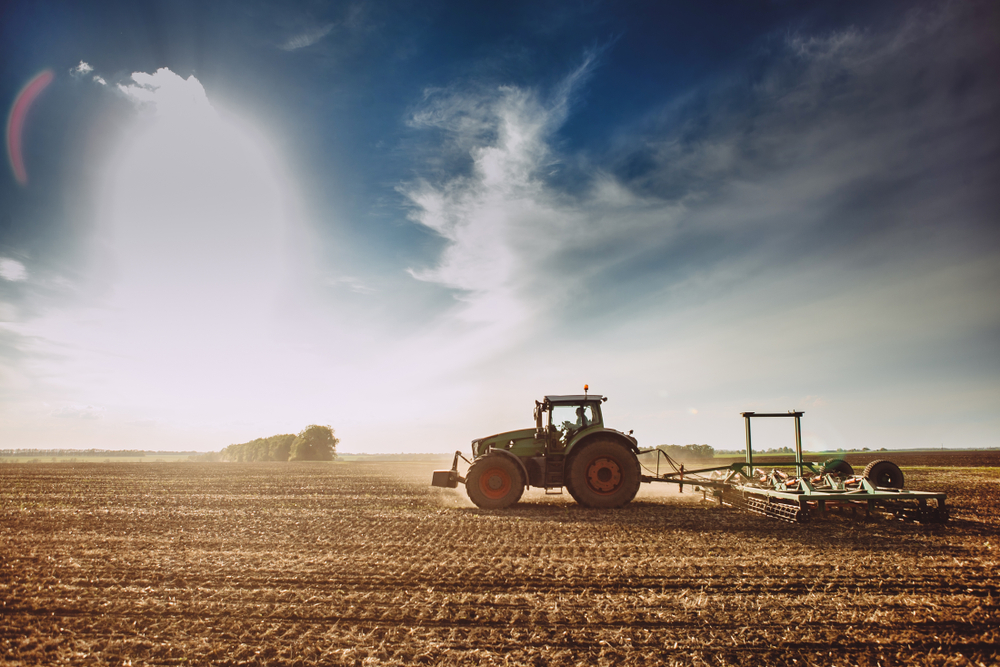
x=797, y=415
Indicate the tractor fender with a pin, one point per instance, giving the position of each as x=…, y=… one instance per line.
x=512, y=457
x=605, y=434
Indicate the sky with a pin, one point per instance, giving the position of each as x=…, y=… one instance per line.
x=408, y=221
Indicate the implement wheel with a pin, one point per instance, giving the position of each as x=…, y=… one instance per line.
x=885, y=474
x=838, y=467
x=494, y=482
x=603, y=474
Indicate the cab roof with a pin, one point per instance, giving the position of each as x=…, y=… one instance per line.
x=575, y=399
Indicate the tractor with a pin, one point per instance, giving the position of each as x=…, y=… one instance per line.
x=571, y=448
x=568, y=447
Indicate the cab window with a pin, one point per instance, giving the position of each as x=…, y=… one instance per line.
x=565, y=417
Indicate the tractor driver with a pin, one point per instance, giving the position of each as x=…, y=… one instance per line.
x=569, y=428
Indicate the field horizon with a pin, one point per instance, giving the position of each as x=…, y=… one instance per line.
x=32, y=455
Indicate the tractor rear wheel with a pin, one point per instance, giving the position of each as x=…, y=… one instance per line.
x=494, y=482
x=603, y=474
x=840, y=467
x=885, y=474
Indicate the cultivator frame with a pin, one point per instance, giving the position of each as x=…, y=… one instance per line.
x=805, y=496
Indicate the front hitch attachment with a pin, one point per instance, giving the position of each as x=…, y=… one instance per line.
x=449, y=479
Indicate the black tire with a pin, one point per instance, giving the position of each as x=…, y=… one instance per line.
x=838, y=467
x=885, y=474
x=494, y=482
x=603, y=474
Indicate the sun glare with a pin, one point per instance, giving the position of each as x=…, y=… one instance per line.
x=195, y=215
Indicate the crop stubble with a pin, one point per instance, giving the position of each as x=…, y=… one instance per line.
x=362, y=563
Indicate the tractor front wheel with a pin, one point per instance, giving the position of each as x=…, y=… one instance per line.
x=603, y=474
x=494, y=482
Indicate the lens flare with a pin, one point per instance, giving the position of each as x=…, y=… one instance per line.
x=15, y=122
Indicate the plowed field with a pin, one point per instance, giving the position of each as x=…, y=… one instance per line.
x=366, y=564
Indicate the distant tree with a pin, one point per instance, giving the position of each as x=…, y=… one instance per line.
x=275, y=448
x=281, y=447
x=315, y=443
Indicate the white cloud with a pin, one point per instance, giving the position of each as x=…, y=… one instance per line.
x=308, y=38
x=12, y=270
x=173, y=98
x=501, y=221
x=81, y=69
x=84, y=69
x=479, y=214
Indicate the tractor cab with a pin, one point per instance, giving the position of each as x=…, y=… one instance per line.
x=558, y=419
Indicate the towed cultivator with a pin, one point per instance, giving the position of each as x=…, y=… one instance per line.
x=571, y=448
x=814, y=490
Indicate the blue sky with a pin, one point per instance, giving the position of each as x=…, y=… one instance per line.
x=408, y=221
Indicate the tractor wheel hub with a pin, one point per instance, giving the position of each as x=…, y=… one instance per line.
x=604, y=475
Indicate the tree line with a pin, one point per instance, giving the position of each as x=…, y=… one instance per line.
x=688, y=451
x=314, y=443
x=87, y=452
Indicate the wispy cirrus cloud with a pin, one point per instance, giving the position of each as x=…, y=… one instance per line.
x=495, y=218
x=307, y=38
x=12, y=270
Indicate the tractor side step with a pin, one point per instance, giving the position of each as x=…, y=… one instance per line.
x=554, y=477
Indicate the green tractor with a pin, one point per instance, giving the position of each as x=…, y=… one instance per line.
x=569, y=447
